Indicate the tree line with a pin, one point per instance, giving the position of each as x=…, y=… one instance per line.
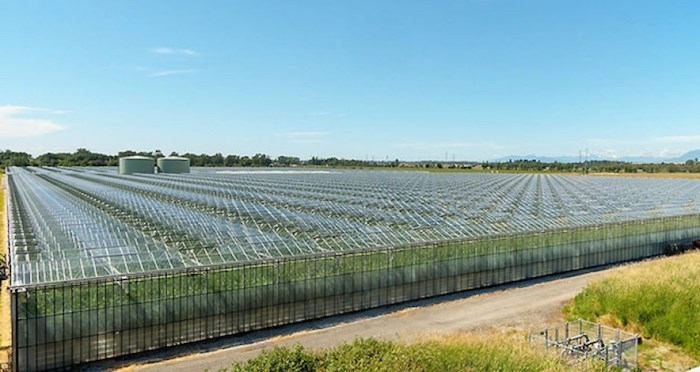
x=595, y=166
x=84, y=157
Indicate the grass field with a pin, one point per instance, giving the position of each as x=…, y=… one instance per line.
x=3, y=231
x=461, y=352
x=660, y=299
x=5, y=328
x=651, y=175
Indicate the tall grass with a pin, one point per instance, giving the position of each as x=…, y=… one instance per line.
x=3, y=223
x=659, y=298
x=452, y=353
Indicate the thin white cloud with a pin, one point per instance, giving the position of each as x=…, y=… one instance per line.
x=448, y=145
x=660, y=147
x=175, y=51
x=47, y=110
x=327, y=113
x=172, y=72
x=678, y=139
x=304, y=136
x=645, y=141
x=13, y=125
x=635, y=153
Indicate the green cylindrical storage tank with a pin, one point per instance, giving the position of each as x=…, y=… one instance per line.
x=136, y=164
x=173, y=164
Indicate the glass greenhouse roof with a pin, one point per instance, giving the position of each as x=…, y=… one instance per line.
x=81, y=223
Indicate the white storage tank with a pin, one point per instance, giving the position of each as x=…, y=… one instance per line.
x=173, y=164
x=136, y=164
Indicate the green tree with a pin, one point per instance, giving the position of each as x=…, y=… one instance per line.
x=261, y=160
x=216, y=160
x=246, y=162
x=287, y=160
x=232, y=160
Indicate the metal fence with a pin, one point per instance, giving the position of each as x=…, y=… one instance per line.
x=73, y=322
x=582, y=340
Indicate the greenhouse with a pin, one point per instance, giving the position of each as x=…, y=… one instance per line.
x=105, y=265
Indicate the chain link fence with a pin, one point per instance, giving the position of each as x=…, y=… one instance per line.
x=582, y=340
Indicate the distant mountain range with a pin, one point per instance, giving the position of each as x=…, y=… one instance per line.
x=691, y=155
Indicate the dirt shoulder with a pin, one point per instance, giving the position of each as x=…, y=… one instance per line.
x=525, y=306
x=5, y=321
x=650, y=175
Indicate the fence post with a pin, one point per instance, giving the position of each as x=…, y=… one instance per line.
x=619, y=347
x=580, y=326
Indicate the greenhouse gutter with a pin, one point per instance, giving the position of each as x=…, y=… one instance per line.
x=193, y=270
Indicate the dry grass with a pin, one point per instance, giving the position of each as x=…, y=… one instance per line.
x=660, y=356
x=508, y=351
x=5, y=321
x=660, y=299
x=506, y=345
x=650, y=175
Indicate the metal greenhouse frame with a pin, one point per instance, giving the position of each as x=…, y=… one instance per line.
x=105, y=265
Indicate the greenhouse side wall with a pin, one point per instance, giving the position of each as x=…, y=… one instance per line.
x=61, y=325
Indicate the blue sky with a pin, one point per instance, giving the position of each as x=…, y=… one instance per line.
x=470, y=80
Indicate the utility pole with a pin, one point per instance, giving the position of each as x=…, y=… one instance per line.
x=580, y=161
